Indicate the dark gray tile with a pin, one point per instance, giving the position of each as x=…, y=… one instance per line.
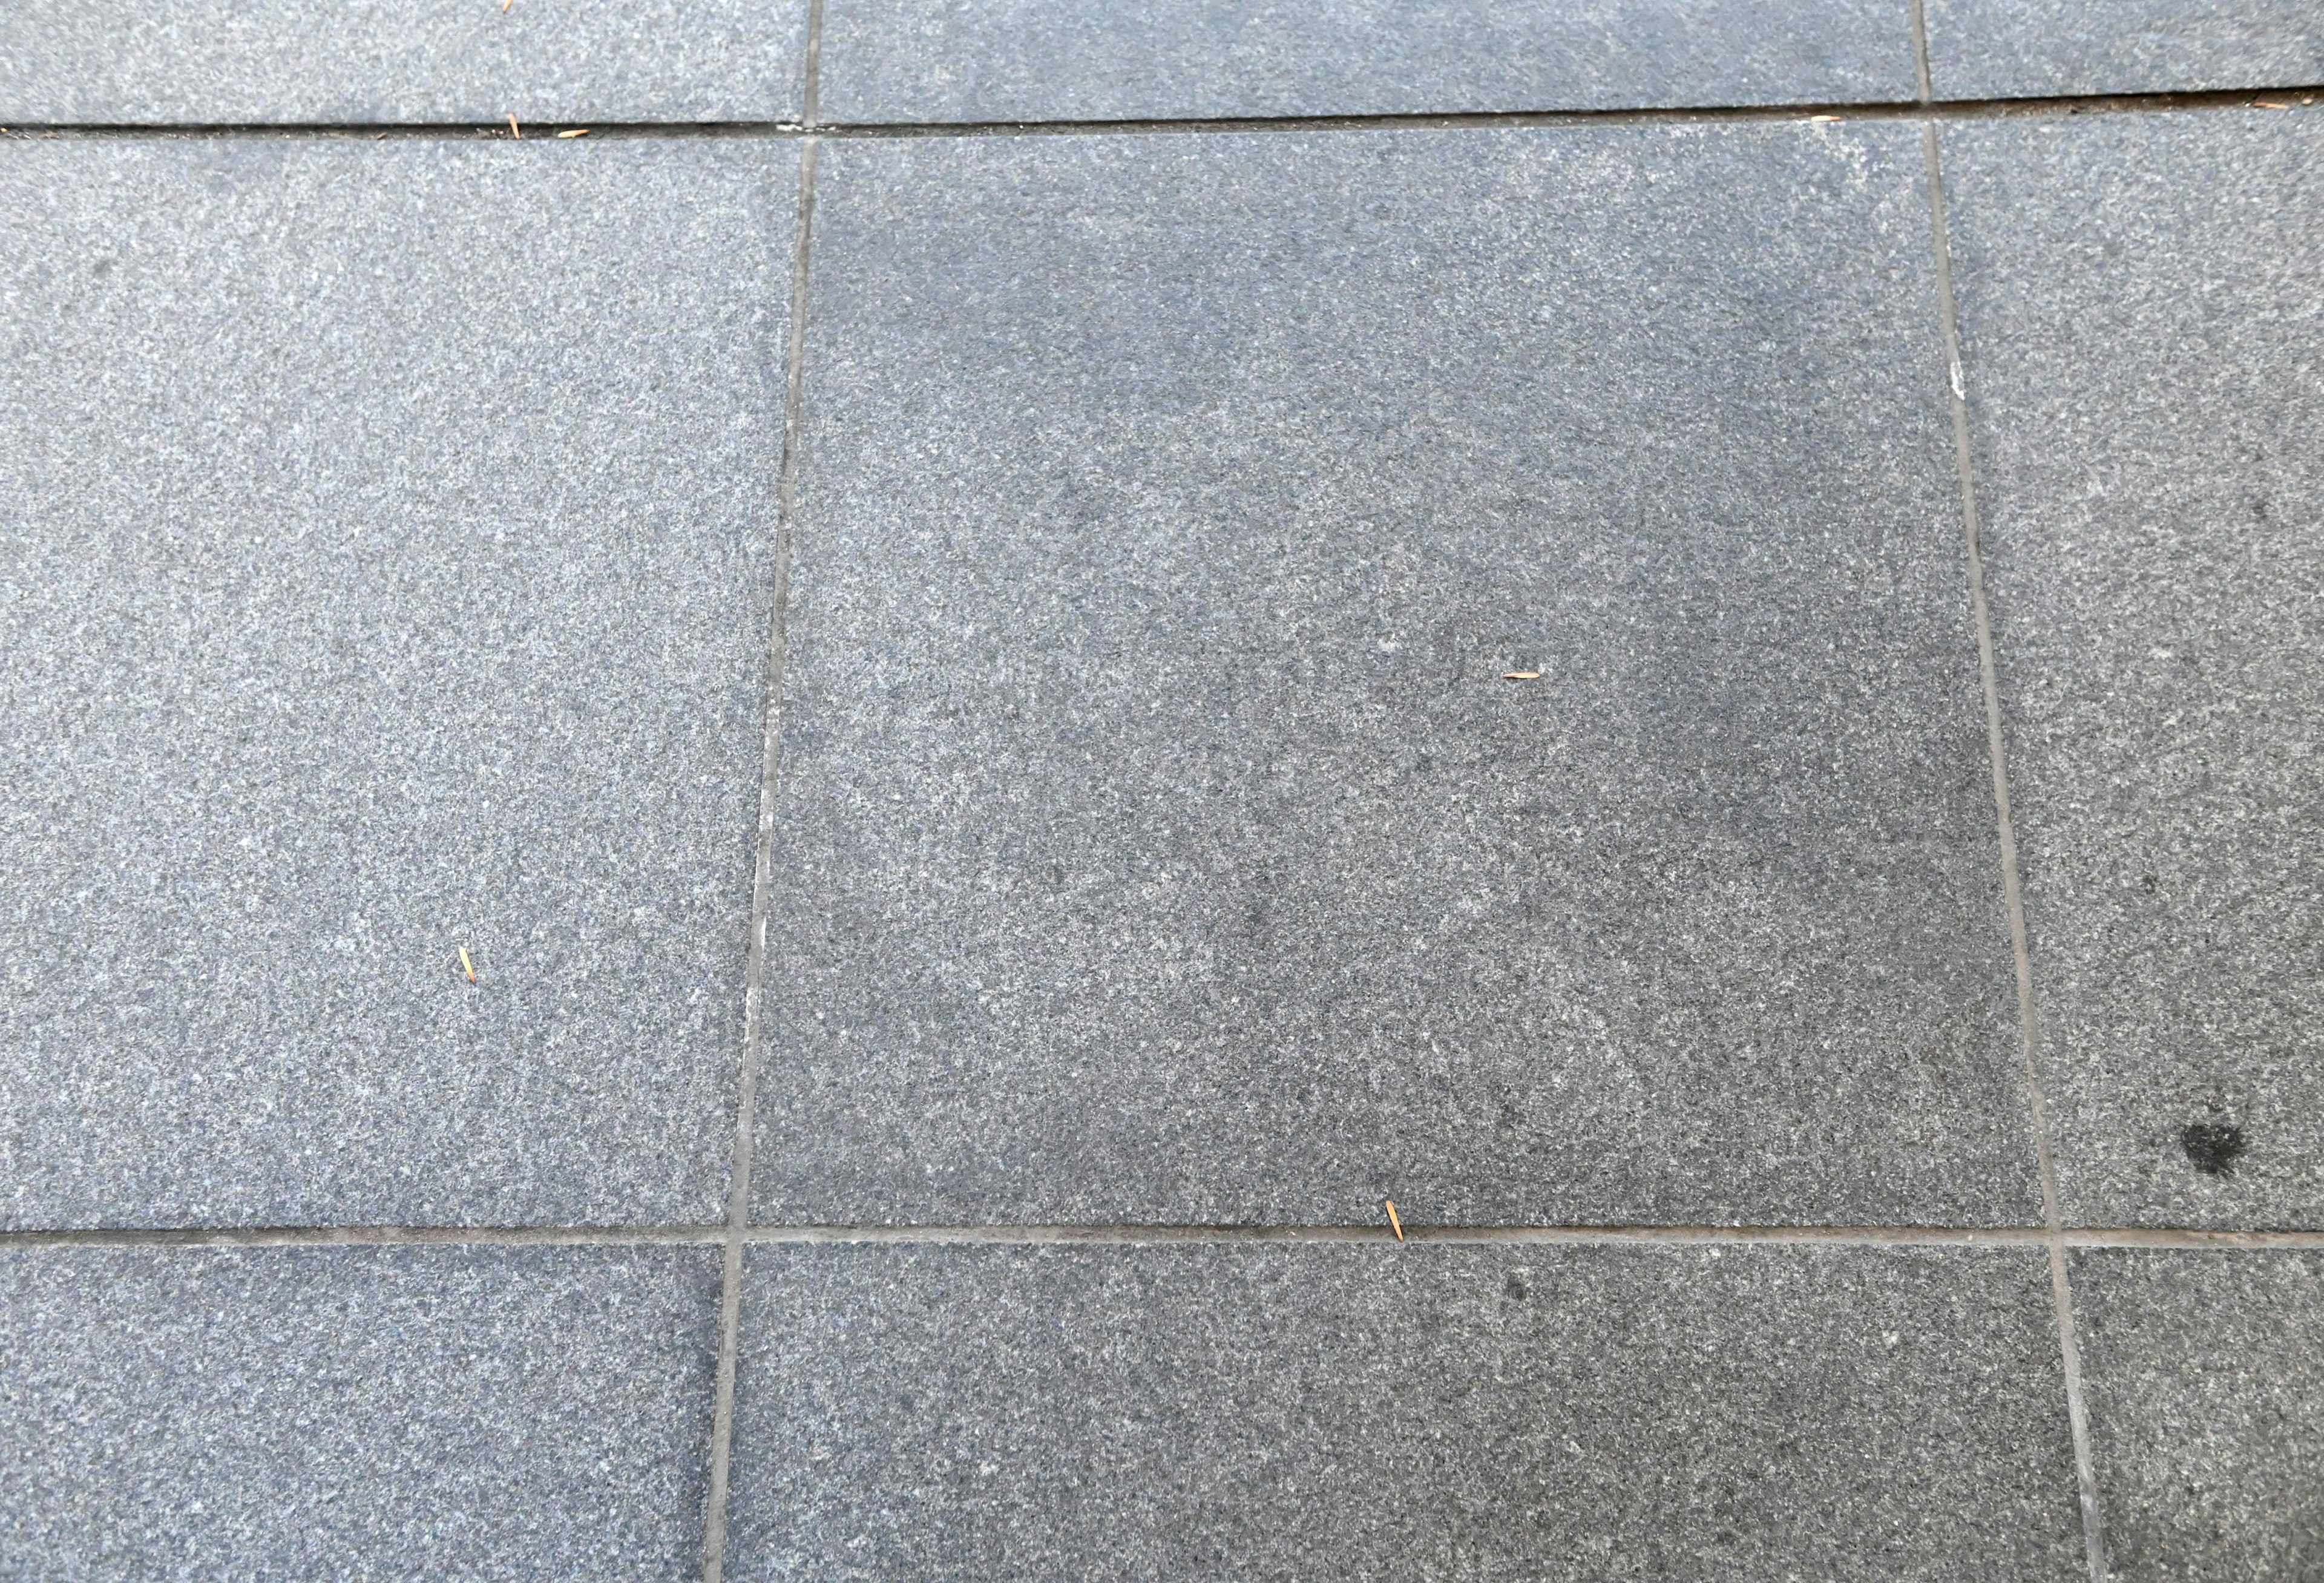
x=195, y=62
x=2025, y=49
x=1159, y=839
x=1067, y=61
x=1371, y=1411
x=355, y=1412
x=2205, y=1376
x=387, y=570
x=2142, y=336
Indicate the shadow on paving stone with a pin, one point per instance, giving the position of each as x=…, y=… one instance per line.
x=892, y=61
x=1160, y=838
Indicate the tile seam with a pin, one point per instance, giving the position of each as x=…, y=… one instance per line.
x=2159, y=1238
x=1915, y=110
x=738, y=1202
x=2013, y=891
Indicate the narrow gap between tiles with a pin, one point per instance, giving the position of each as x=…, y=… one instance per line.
x=2192, y=1239
x=738, y=1206
x=2278, y=96
x=2013, y=894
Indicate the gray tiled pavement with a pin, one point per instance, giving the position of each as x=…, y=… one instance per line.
x=394, y=523
x=2206, y=1377
x=2029, y=49
x=354, y=1411
x=916, y=60
x=207, y=62
x=1161, y=841
x=2142, y=332
x=1371, y=1411
x=389, y=572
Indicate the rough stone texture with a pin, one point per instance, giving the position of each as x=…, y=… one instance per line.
x=384, y=568
x=355, y=1412
x=195, y=62
x=1159, y=839
x=1374, y=1411
x=2141, y=330
x=2025, y=49
x=1067, y=61
x=2205, y=1374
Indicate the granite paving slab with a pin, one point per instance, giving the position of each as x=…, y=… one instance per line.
x=1374, y=1411
x=920, y=60
x=2205, y=1375
x=1161, y=838
x=2029, y=49
x=213, y=62
x=355, y=1411
x=2143, y=332
x=385, y=573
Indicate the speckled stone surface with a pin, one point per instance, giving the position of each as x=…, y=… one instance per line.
x=1374, y=1411
x=1159, y=839
x=385, y=569
x=355, y=1412
x=2028, y=48
x=2143, y=341
x=2205, y=1375
x=1065, y=60
x=204, y=63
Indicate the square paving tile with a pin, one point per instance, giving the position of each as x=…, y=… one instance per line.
x=355, y=1412
x=387, y=572
x=2027, y=49
x=1160, y=840
x=1375, y=1412
x=1067, y=61
x=2142, y=336
x=207, y=62
x=2205, y=1374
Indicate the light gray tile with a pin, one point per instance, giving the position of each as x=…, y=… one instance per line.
x=2143, y=336
x=1065, y=61
x=1380, y=1412
x=2027, y=49
x=1160, y=839
x=385, y=568
x=2205, y=1375
x=355, y=1412
x=196, y=62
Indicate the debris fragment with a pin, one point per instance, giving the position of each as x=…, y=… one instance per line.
x=513, y=131
x=505, y=4
x=1394, y=1224
x=1521, y=676
x=1824, y=118
x=2270, y=104
x=466, y=966
x=576, y=132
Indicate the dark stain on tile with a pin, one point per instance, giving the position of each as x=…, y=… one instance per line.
x=2213, y=1146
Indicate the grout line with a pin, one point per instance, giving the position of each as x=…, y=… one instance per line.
x=738, y=1202
x=2162, y=1238
x=366, y=1236
x=2012, y=890
x=1916, y=110
x=1923, y=85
